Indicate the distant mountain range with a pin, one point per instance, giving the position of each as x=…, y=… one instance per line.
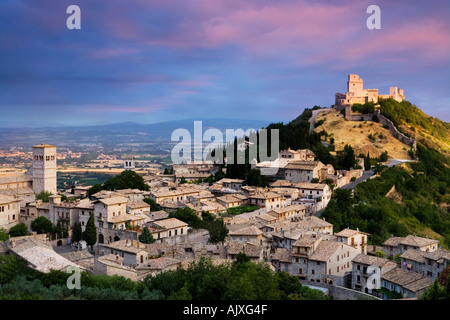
x=118, y=134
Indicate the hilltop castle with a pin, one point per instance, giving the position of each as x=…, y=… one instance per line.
x=357, y=94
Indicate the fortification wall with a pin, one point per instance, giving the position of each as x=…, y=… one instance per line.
x=397, y=134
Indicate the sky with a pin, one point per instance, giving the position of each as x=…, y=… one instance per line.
x=150, y=61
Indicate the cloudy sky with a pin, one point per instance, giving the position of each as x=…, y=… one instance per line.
x=156, y=60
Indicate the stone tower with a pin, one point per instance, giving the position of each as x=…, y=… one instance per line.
x=355, y=85
x=44, y=168
x=129, y=163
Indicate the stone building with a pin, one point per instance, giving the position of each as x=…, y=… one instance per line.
x=269, y=200
x=171, y=227
x=321, y=261
x=40, y=177
x=304, y=171
x=354, y=238
x=9, y=211
x=406, y=283
x=398, y=245
x=248, y=234
x=132, y=252
x=357, y=94
x=428, y=264
x=367, y=272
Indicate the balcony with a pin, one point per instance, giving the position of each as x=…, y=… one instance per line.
x=301, y=254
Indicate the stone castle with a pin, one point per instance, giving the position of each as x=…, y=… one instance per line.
x=357, y=94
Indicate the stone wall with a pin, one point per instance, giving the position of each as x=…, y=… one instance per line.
x=341, y=293
x=194, y=236
x=397, y=134
x=356, y=116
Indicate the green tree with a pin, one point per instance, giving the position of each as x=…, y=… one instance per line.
x=90, y=234
x=153, y=205
x=183, y=180
x=367, y=164
x=217, y=231
x=126, y=180
x=189, y=216
x=3, y=235
x=255, y=178
x=58, y=230
x=42, y=225
x=146, y=236
x=94, y=189
x=435, y=292
x=241, y=258
x=77, y=232
x=383, y=157
x=182, y=294
x=346, y=158
x=18, y=230
x=44, y=196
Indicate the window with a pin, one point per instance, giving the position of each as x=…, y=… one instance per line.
x=312, y=271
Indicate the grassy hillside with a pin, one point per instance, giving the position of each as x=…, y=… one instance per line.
x=412, y=121
x=363, y=136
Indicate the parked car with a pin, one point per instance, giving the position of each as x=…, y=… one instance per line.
x=80, y=245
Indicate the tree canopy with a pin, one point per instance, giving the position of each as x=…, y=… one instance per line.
x=146, y=236
x=128, y=179
x=42, y=225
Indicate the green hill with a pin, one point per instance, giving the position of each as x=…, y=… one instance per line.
x=413, y=122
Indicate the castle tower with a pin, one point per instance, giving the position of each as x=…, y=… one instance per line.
x=44, y=168
x=355, y=85
x=129, y=163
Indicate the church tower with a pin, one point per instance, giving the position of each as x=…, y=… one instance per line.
x=44, y=168
x=129, y=163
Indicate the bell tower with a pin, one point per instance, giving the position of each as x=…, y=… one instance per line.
x=44, y=168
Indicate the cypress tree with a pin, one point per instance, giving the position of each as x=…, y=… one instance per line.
x=367, y=162
x=77, y=233
x=146, y=236
x=90, y=234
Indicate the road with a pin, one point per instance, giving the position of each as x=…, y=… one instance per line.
x=369, y=173
x=366, y=175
